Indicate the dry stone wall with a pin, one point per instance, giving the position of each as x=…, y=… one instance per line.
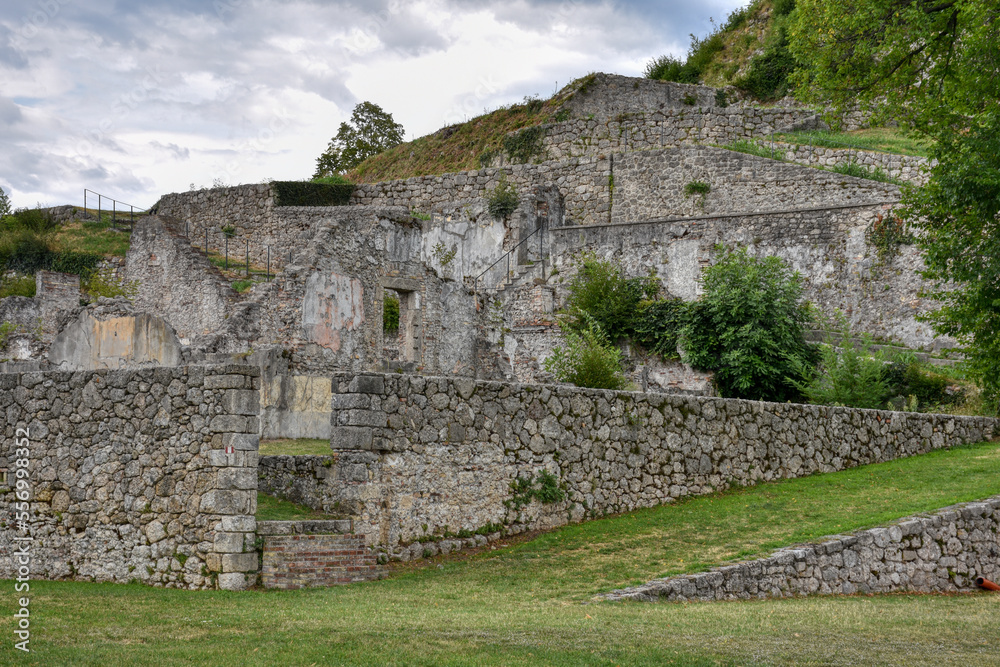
x=144, y=475
x=910, y=168
x=827, y=246
x=941, y=553
x=419, y=457
x=654, y=184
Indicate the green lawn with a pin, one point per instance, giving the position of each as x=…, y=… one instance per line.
x=270, y=508
x=880, y=139
x=295, y=447
x=532, y=602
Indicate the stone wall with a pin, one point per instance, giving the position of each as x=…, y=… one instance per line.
x=21, y=318
x=419, y=457
x=608, y=95
x=652, y=185
x=583, y=182
x=826, y=246
x=145, y=475
x=302, y=554
x=941, y=553
x=55, y=293
x=175, y=280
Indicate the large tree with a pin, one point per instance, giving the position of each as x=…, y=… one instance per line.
x=369, y=132
x=934, y=67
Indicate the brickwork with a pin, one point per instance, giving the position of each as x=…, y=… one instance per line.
x=304, y=554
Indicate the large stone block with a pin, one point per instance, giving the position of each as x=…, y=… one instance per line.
x=241, y=402
x=367, y=384
x=351, y=437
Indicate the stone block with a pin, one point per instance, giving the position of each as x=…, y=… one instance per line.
x=238, y=524
x=228, y=543
x=234, y=581
x=350, y=437
x=225, y=502
x=229, y=424
x=367, y=384
x=226, y=382
x=241, y=402
x=241, y=441
x=248, y=562
x=237, y=478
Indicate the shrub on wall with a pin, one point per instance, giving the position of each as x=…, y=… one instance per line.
x=502, y=200
x=748, y=328
x=587, y=359
x=657, y=325
x=307, y=193
x=601, y=294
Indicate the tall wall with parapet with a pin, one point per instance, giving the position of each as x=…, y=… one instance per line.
x=420, y=456
x=827, y=246
x=142, y=475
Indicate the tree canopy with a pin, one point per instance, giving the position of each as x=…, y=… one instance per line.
x=932, y=66
x=369, y=132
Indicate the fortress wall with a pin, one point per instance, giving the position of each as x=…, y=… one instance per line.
x=826, y=246
x=139, y=475
x=416, y=459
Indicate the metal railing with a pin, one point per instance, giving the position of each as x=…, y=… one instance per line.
x=510, y=253
x=132, y=210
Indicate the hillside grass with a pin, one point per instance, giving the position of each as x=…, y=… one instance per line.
x=531, y=602
x=94, y=236
x=879, y=139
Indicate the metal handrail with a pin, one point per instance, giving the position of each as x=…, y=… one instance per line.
x=114, y=208
x=506, y=256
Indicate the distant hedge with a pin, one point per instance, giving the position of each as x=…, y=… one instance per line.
x=304, y=193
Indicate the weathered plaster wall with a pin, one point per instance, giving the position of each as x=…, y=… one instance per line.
x=176, y=281
x=826, y=246
x=128, y=475
x=941, y=553
x=415, y=456
x=651, y=185
x=112, y=335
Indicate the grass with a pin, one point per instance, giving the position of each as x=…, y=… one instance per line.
x=91, y=236
x=17, y=286
x=295, y=447
x=270, y=508
x=751, y=147
x=879, y=139
x=531, y=603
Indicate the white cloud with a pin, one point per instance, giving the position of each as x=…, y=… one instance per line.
x=137, y=99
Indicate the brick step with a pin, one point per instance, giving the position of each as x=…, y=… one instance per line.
x=314, y=553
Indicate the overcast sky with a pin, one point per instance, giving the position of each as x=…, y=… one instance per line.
x=138, y=98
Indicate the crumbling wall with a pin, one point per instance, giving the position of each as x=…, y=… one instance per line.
x=176, y=281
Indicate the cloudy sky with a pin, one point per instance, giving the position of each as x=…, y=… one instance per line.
x=137, y=98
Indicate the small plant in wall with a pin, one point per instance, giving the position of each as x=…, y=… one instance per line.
x=502, y=200
x=697, y=188
x=443, y=254
x=885, y=234
x=229, y=231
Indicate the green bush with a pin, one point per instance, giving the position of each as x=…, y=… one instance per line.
x=308, y=193
x=601, y=294
x=333, y=179
x=852, y=375
x=390, y=314
x=4, y=204
x=502, y=200
x=587, y=360
x=657, y=325
x=697, y=188
x=748, y=328
x=28, y=219
x=521, y=147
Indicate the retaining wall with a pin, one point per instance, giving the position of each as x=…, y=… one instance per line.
x=145, y=475
x=416, y=457
x=302, y=554
x=944, y=552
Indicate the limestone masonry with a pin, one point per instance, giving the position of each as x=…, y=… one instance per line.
x=941, y=553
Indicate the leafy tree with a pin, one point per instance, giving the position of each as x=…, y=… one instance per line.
x=932, y=66
x=587, y=360
x=601, y=294
x=748, y=328
x=369, y=132
x=4, y=204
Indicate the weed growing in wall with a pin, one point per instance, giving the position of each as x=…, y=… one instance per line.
x=544, y=488
x=502, y=200
x=886, y=233
x=697, y=188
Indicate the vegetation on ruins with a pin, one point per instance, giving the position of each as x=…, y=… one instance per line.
x=600, y=294
x=501, y=201
x=749, y=51
x=928, y=66
x=390, y=314
x=748, y=327
x=29, y=242
x=4, y=204
x=104, y=283
x=587, y=359
x=369, y=132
